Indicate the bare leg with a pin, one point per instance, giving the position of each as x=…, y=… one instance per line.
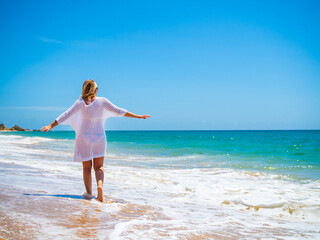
x=87, y=165
x=98, y=168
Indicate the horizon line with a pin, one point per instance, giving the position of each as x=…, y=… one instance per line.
x=205, y=130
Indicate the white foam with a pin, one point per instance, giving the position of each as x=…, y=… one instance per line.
x=18, y=139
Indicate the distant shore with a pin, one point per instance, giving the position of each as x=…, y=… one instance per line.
x=16, y=128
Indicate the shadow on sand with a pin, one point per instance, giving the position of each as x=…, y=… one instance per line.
x=57, y=195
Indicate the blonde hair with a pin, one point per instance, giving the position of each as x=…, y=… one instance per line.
x=88, y=88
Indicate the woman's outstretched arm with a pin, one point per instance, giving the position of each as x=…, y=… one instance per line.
x=49, y=127
x=62, y=119
x=132, y=115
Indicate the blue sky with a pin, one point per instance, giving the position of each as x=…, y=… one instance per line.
x=189, y=64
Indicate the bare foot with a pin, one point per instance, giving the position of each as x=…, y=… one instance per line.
x=100, y=194
x=88, y=196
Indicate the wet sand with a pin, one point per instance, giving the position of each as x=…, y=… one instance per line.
x=45, y=216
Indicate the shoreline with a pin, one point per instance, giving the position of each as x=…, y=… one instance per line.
x=27, y=130
x=16, y=128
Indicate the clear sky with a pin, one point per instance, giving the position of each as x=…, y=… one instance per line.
x=207, y=65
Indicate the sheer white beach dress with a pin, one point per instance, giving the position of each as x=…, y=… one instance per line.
x=88, y=122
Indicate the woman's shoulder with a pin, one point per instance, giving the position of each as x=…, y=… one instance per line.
x=79, y=101
x=98, y=97
x=101, y=99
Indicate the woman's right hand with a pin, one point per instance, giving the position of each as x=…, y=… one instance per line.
x=46, y=128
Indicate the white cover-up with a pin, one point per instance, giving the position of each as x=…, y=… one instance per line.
x=88, y=122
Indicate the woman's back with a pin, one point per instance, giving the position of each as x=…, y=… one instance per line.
x=94, y=114
x=88, y=122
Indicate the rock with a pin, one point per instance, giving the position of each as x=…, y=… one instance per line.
x=3, y=127
x=17, y=128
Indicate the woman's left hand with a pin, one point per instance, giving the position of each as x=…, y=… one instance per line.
x=132, y=115
x=144, y=116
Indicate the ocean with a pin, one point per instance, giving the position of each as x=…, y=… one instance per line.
x=164, y=185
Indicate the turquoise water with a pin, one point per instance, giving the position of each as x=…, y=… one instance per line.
x=294, y=153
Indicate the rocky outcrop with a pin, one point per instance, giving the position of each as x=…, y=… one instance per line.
x=3, y=127
x=15, y=128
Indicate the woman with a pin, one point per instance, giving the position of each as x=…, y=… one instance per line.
x=87, y=116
